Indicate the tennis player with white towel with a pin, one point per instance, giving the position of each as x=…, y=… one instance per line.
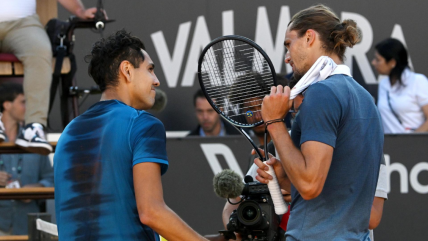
x=331, y=161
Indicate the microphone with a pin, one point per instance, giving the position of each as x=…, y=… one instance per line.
x=99, y=25
x=99, y=16
x=228, y=184
x=160, y=100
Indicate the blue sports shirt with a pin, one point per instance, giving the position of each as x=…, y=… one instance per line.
x=338, y=112
x=94, y=157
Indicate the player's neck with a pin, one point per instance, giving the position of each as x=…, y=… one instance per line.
x=336, y=59
x=320, y=53
x=115, y=94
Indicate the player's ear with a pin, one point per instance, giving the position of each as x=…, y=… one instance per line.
x=310, y=36
x=125, y=69
x=7, y=105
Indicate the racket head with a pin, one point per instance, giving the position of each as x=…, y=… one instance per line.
x=235, y=74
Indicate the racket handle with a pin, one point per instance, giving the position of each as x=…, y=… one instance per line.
x=275, y=193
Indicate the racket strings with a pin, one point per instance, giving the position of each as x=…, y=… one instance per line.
x=206, y=78
x=243, y=69
x=236, y=77
x=219, y=92
x=215, y=58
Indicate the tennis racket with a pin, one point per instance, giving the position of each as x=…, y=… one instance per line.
x=235, y=74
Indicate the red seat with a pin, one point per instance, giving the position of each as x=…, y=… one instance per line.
x=6, y=57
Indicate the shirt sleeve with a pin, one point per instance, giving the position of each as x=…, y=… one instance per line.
x=421, y=90
x=148, y=141
x=46, y=172
x=320, y=115
x=381, y=183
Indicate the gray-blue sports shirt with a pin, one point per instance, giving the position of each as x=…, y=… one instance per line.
x=340, y=113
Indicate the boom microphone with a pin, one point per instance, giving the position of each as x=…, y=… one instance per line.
x=160, y=100
x=228, y=184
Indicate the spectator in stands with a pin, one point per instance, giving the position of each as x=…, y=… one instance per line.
x=22, y=34
x=30, y=170
x=403, y=95
x=209, y=122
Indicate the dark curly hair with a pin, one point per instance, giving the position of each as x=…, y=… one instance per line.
x=335, y=35
x=107, y=54
x=9, y=92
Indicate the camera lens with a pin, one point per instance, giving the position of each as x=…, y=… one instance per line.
x=249, y=213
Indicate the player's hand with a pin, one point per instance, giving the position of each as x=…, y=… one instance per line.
x=277, y=104
x=4, y=178
x=89, y=13
x=263, y=176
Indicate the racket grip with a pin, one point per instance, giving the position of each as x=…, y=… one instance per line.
x=275, y=193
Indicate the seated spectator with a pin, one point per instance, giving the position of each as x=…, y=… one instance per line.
x=29, y=170
x=403, y=95
x=209, y=122
x=22, y=34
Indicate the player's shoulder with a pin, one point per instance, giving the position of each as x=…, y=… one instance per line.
x=145, y=119
x=143, y=115
x=325, y=88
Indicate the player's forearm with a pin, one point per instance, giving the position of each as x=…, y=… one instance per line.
x=168, y=224
x=376, y=212
x=284, y=183
x=298, y=171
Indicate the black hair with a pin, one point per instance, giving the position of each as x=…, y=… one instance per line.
x=198, y=94
x=107, y=55
x=393, y=49
x=9, y=92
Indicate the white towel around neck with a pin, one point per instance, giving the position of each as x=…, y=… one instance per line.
x=320, y=70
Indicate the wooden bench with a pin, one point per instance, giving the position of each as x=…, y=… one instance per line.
x=12, y=148
x=22, y=193
x=27, y=193
x=14, y=238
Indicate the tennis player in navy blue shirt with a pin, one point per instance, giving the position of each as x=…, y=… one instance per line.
x=331, y=161
x=109, y=160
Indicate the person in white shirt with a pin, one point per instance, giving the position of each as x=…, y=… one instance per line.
x=22, y=34
x=403, y=95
